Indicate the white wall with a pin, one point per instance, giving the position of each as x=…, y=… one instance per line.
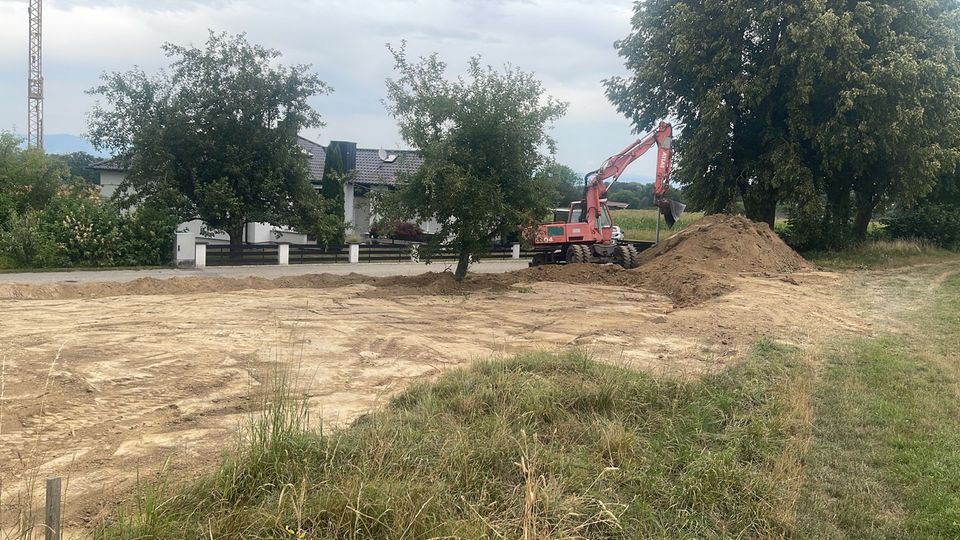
x=109, y=181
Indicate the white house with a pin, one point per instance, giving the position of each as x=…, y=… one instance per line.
x=374, y=170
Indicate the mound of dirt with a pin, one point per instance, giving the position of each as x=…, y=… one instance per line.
x=692, y=266
x=728, y=245
x=698, y=262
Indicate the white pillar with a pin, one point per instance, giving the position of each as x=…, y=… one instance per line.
x=354, y=253
x=515, y=254
x=348, y=205
x=200, y=260
x=414, y=252
x=283, y=254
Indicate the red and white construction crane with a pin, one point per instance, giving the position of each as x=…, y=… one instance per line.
x=35, y=76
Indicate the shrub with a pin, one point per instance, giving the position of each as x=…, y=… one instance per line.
x=24, y=243
x=146, y=237
x=86, y=230
x=939, y=223
x=401, y=230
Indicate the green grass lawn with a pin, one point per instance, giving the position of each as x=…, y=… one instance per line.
x=642, y=224
x=885, y=460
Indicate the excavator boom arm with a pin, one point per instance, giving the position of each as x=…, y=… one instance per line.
x=595, y=187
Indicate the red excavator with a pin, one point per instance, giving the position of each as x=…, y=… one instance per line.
x=586, y=235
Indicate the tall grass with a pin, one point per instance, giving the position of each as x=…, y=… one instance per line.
x=642, y=224
x=877, y=254
x=538, y=446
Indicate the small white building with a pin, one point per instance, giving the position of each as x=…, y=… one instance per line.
x=374, y=170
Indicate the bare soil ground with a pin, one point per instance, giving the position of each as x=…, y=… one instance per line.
x=105, y=381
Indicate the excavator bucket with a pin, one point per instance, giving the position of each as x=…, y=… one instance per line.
x=671, y=211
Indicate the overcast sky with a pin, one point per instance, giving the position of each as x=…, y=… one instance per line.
x=567, y=43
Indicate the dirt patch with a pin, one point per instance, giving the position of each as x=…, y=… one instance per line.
x=430, y=283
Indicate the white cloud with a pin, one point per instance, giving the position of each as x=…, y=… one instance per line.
x=567, y=43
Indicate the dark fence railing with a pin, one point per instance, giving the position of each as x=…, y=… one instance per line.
x=267, y=254
x=312, y=254
x=246, y=254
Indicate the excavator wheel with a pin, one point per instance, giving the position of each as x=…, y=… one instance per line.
x=577, y=254
x=634, y=256
x=622, y=256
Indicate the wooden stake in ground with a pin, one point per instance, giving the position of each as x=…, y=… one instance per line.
x=52, y=514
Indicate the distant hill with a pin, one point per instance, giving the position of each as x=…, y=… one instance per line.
x=63, y=143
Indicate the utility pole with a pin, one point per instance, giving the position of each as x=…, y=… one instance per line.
x=35, y=77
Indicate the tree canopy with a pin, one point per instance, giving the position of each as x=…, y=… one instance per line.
x=215, y=136
x=481, y=137
x=79, y=165
x=28, y=178
x=834, y=108
x=564, y=185
x=639, y=195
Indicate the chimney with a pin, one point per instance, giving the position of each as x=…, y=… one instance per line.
x=348, y=152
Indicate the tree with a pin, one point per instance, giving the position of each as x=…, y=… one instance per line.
x=28, y=178
x=480, y=137
x=215, y=137
x=79, y=165
x=640, y=195
x=835, y=107
x=563, y=184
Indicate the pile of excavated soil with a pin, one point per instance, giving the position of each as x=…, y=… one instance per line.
x=694, y=265
x=726, y=244
x=698, y=262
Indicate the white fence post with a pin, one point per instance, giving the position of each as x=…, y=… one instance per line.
x=414, y=252
x=354, y=253
x=283, y=254
x=515, y=253
x=200, y=260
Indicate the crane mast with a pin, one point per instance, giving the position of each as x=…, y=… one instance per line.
x=35, y=77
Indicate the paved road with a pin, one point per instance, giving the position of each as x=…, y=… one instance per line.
x=368, y=269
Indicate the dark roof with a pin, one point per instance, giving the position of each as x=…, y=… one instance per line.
x=371, y=170
x=106, y=165
x=316, y=158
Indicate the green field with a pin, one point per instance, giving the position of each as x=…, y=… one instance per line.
x=642, y=224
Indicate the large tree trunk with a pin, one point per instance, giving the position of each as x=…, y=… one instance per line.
x=235, y=232
x=835, y=230
x=463, y=262
x=861, y=221
x=761, y=208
